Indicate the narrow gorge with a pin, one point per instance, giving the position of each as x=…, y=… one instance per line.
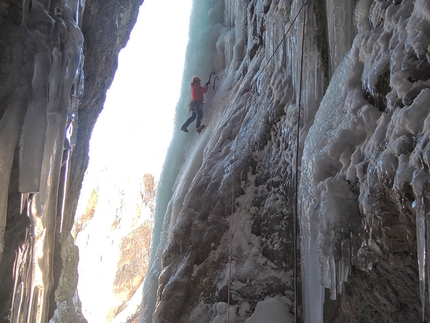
x=305, y=199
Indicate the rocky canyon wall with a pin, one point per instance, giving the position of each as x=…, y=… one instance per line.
x=57, y=60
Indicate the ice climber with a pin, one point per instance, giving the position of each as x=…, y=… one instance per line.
x=196, y=104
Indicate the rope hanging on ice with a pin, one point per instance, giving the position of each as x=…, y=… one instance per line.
x=282, y=40
x=296, y=184
x=233, y=169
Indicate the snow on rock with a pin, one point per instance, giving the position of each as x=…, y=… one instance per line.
x=270, y=310
x=222, y=312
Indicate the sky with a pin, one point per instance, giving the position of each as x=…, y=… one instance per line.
x=134, y=130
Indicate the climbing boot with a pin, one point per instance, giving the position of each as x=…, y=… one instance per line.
x=200, y=129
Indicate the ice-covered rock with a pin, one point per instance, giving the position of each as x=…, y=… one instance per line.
x=320, y=119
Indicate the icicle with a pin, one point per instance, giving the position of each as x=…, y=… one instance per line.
x=10, y=127
x=332, y=277
x=325, y=271
x=428, y=248
x=340, y=29
x=34, y=128
x=229, y=16
x=421, y=252
x=25, y=10
x=24, y=201
x=344, y=264
x=337, y=208
x=49, y=119
x=420, y=178
x=339, y=281
x=65, y=181
x=77, y=12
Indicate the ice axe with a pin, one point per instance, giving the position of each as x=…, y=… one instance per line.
x=209, y=81
x=210, y=76
x=216, y=78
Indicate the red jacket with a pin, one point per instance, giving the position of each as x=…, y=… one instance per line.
x=197, y=91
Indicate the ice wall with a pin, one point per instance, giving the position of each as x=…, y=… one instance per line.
x=338, y=101
x=40, y=113
x=204, y=164
x=200, y=53
x=355, y=153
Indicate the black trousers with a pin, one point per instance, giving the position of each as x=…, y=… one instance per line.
x=197, y=108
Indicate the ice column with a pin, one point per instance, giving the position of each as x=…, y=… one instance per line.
x=340, y=30
x=419, y=181
x=338, y=205
x=54, y=44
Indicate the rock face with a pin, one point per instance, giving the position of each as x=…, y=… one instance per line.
x=113, y=231
x=57, y=60
x=316, y=148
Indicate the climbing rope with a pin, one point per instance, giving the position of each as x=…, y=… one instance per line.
x=304, y=2
x=231, y=216
x=296, y=182
x=230, y=233
x=282, y=40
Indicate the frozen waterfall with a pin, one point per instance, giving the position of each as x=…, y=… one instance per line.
x=362, y=145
